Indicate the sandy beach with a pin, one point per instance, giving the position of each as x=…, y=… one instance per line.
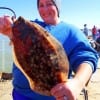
x=6, y=90
x=93, y=88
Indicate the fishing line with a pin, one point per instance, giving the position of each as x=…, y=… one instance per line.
x=14, y=14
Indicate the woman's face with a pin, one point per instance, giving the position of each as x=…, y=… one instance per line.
x=48, y=11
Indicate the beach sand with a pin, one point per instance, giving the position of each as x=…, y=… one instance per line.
x=6, y=90
x=93, y=88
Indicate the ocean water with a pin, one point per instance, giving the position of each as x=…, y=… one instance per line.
x=5, y=54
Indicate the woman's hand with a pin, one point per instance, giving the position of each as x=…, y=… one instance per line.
x=71, y=89
x=6, y=25
x=67, y=91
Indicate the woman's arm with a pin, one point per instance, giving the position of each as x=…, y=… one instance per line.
x=83, y=74
x=73, y=87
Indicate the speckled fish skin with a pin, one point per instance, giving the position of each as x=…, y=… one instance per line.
x=39, y=56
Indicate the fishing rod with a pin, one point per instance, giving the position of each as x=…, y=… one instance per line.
x=14, y=14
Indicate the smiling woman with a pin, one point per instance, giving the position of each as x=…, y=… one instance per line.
x=81, y=56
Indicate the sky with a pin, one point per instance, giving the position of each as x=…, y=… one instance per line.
x=76, y=12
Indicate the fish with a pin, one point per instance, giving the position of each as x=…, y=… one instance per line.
x=39, y=56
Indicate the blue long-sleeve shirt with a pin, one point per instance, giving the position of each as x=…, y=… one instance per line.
x=77, y=48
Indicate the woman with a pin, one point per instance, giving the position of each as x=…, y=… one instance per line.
x=82, y=57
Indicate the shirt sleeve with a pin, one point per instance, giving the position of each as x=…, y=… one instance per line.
x=80, y=50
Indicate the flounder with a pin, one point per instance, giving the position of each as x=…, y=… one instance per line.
x=39, y=56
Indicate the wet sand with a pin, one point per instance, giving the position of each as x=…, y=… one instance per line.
x=93, y=88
